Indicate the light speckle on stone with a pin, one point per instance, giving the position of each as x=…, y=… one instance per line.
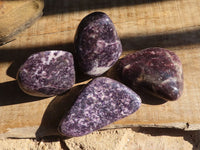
x=97, y=44
x=102, y=102
x=47, y=73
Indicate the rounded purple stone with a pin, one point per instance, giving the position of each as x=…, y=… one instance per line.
x=97, y=44
x=155, y=69
x=102, y=102
x=47, y=73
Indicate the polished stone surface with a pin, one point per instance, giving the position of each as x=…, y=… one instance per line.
x=155, y=69
x=102, y=102
x=47, y=73
x=97, y=44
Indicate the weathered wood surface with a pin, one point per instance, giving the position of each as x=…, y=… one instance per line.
x=16, y=16
x=115, y=139
x=172, y=24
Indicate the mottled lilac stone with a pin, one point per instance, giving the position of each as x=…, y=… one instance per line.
x=155, y=69
x=102, y=102
x=97, y=44
x=47, y=73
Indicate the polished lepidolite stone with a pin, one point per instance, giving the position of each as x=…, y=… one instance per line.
x=97, y=44
x=155, y=69
x=47, y=73
x=102, y=102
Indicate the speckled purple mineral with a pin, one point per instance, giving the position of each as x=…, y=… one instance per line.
x=155, y=69
x=47, y=73
x=102, y=102
x=97, y=44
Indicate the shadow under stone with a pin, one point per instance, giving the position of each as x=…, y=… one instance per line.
x=55, y=112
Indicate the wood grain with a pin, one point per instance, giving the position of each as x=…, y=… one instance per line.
x=170, y=24
x=16, y=16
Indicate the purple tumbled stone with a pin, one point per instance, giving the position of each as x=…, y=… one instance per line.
x=102, y=102
x=97, y=44
x=47, y=73
x=155, y=69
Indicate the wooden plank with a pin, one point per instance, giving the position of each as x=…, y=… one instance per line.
x=120, y=139
x=129, y=139
x=170, y=24
x=13, y=18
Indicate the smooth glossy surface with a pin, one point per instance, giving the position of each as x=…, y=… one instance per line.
x=97, y=44
x=156, y=69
